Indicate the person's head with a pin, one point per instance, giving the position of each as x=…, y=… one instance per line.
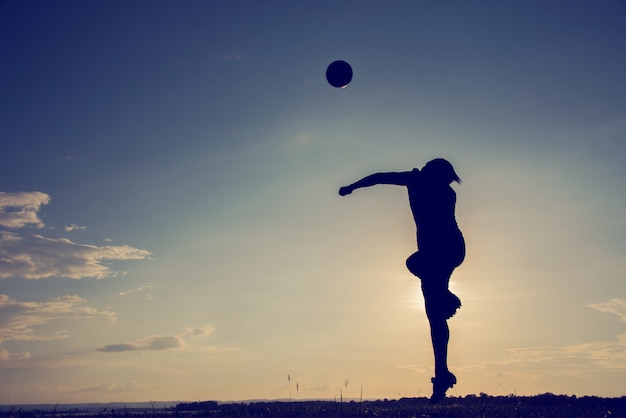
x=440, y=170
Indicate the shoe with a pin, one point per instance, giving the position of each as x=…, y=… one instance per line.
x=441, y=384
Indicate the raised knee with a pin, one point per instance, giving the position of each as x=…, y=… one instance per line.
x=414, y=265
x=442, y=307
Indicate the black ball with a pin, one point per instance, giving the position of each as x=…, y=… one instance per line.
x=339, y=74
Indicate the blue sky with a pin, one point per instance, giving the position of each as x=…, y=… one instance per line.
x=169, y=219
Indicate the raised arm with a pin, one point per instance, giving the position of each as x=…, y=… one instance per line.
x=399, y=179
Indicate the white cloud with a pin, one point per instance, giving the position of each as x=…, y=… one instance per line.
x=5, y=355
x=137, y=290
x=151, y=343
x=157, y=343
x=18, y=319
x=614, y=306
x=74, y=227
x=18, y=210
x=38, y=257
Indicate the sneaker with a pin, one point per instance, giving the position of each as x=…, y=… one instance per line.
x=441, y=384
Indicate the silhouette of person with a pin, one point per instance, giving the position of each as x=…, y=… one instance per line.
x=441, y=248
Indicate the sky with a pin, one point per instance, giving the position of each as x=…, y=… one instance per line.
x=170, y=227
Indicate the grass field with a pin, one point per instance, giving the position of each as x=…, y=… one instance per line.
x=546, y=405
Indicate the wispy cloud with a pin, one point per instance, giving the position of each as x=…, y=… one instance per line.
x=597, y=355
x=137, y=290
x=74, y=227
x=233, y=57
x=200, y=331
x=38, y=257
x=6, y=355
x=113, y=388
x=570, y=359
x=609, y=131
x=157, y=343
x=415, y=368
x=614, y=306
x=18, y=210
x=18, y=319
x=151, y=343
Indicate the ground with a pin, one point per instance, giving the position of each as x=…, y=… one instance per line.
x=547, y=405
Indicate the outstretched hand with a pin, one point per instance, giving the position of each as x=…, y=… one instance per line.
x=345, y=190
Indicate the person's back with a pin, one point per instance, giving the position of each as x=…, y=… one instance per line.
x=433, y=208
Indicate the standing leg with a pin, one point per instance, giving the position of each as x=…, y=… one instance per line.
x=441, y=304
x=440, y=335
x=438, y=311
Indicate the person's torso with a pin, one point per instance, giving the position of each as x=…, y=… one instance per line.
x=433, y=210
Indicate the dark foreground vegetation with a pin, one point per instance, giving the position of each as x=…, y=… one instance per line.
x=542, y=406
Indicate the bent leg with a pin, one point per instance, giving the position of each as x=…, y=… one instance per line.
x=416, y=264
x=440, y=301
